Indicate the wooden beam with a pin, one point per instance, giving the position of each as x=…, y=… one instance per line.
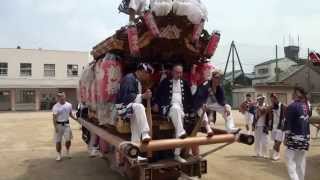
x=164, y=144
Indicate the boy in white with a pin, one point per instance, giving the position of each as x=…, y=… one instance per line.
x=260, y=129
x=61, y=112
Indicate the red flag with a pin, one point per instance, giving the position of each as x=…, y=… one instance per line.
x=314, y=57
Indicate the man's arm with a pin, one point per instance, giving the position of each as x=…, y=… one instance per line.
x=288, y=116
x=54, y=118
x=72, y=116
x=128, y=90
x=188, y=95
x=221, y=96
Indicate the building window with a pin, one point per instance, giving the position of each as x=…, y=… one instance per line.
x=49, y=70
x=263, y=71
x=25, y=96
x=72, y=70
x=3, y=69
x=25, y=69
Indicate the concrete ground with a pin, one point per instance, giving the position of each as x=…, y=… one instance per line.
x=27, y=153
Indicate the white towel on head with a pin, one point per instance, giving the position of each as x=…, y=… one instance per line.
x=193, y=9
x=161, y=7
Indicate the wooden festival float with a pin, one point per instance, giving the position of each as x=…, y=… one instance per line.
x=161, y=41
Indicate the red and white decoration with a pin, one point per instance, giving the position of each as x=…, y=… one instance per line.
x=314, y=57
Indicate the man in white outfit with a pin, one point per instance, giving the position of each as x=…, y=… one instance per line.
x=61, y=112
x=130, y=104
x=277, y=124
x=261, y=129
x=173, y=100
x=211, y=95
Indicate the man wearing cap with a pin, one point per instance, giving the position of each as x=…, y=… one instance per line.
x=61, y=112
x=277, y=117
x=129, y=102
x=260, y=128
x=211, y=95
x=173, y=99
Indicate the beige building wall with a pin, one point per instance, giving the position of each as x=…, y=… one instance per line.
x=38, y=86
x=239, y=96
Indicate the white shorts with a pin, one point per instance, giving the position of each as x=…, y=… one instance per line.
x=63, y=132
x=249, y=118
x=277, y=135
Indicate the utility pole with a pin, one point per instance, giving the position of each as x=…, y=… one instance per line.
x=307, y=64
x=277, y=68
x=232, y=52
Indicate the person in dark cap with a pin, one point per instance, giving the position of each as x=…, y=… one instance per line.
x=129, y=102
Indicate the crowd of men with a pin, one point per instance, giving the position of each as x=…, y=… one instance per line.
x=174, y=99
x=280, y=124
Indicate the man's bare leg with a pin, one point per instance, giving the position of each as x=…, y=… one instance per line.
x=58, y=148
x=68, y=145
x=276, y=150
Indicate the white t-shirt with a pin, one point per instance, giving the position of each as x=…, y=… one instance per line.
x=262, y=119
x=62, y=111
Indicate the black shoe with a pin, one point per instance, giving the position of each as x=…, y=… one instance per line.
x=183, y=136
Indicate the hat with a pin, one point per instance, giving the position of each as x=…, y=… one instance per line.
x=260, y=96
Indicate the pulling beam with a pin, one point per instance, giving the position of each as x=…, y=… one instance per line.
x=165, y=144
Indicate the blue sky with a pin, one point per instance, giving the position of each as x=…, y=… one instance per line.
x=255, y=25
